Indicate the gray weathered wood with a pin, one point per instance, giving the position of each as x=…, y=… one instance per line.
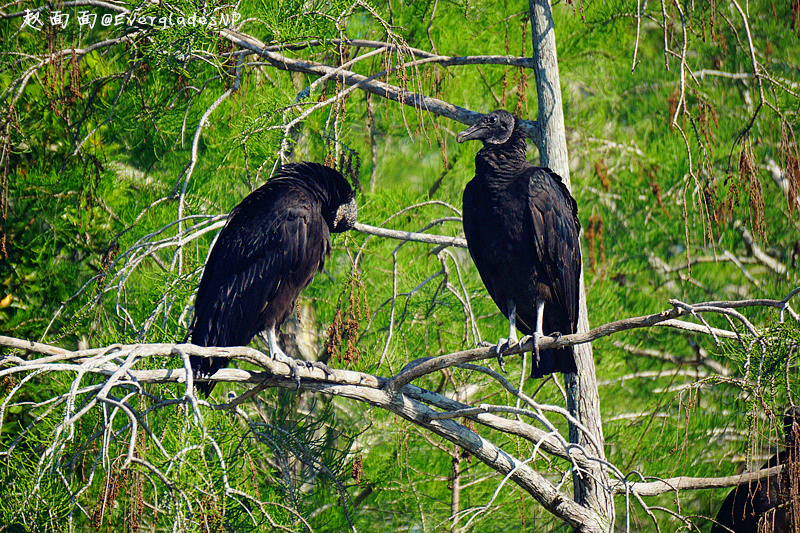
x=583, y=400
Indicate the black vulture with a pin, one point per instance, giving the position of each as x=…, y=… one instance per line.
x=273, y=243
x=766, y=505
x=522, y=231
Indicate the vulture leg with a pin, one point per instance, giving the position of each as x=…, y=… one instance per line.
x=278, y=355
x=538, y=333
x=512, y=323
x=512, y=335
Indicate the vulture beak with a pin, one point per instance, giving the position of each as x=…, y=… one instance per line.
x=469, y=134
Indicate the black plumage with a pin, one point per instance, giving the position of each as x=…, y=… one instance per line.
x=766, y=505
x=273, y=243
x=522, y=232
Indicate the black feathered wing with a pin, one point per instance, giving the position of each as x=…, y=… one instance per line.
x=553, y=213
x=747, y=504
x=474, y=232
x=269, y=250
x=556, y=231
x=524, y=240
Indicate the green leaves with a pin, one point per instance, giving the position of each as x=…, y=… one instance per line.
x=98, y=175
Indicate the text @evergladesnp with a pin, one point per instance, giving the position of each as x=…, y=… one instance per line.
x=36, y=19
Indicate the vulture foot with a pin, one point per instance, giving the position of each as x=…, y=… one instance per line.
x=291, y=362
x=536, y=336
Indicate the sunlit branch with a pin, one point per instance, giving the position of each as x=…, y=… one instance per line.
x=459, y=242
x=117, y=364
x=661, y=486
x=664, y=318
x=385, y=90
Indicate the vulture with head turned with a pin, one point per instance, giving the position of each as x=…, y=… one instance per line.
x=273, y=243
x=522, y=231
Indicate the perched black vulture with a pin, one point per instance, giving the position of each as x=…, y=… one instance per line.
x=273, y=243
x=766, y=505
x=522, y=228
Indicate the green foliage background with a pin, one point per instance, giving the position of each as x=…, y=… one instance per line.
x=96, y=155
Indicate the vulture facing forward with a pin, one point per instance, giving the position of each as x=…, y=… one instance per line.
x=273, y=243
x=522, y=229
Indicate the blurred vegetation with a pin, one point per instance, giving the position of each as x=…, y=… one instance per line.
x=95, y=167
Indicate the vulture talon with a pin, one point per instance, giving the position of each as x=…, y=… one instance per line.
x=499, y=348
x=501, y=362
x=329, y=373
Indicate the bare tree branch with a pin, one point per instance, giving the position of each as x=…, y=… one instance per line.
x=661, y=486
x=411, y=236
x=431, y=411
x=664, y=318
x=385, y=90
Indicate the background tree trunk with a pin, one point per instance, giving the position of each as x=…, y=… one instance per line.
x=583, y=399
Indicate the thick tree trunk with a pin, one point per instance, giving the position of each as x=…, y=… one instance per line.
x=582, y=396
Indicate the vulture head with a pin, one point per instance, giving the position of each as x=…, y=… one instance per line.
x=493, y=128
x=345, y=216
x=339, y=206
